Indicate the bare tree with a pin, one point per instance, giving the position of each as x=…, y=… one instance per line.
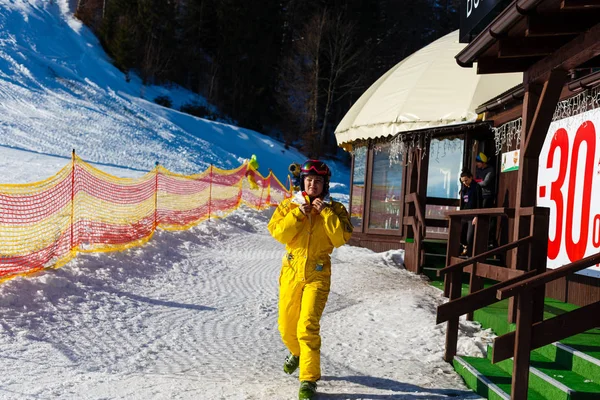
x=310, y=47
x=300, y=82
x=342, y=56
x=156, y=61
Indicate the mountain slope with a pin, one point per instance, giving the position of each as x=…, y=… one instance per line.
x=59, y=91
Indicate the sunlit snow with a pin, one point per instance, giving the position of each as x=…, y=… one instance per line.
x=192, y=314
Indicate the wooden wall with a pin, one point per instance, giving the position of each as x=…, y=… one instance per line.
x=507, y=181
x=377, y=243
x=576, y=289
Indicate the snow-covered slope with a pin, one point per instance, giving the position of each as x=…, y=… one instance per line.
x=192, y=314
x=59, y=91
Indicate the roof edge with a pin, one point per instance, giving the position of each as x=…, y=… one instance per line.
x=508, y=18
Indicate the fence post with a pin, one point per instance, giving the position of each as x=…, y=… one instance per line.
x=268, y=199
x=210, y=190
x=241, y=191
x=155, y=197
x=72, y=196
x=261, y=193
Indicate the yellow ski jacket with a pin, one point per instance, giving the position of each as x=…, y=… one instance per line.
x=309, y=240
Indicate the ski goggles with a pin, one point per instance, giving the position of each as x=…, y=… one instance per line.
x=318, y=167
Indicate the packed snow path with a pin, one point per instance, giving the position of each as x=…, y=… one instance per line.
x=193, y=315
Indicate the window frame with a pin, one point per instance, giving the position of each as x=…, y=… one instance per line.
x=360, y=229
x=399, y=232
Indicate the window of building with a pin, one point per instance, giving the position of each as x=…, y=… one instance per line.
x=358, y=186
x=443, y=177
x=386, y=190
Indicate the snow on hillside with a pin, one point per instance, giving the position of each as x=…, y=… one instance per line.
x=59, y=91
x=192, y=314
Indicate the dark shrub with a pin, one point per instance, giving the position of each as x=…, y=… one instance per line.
x=164, y=101
x=197, y=110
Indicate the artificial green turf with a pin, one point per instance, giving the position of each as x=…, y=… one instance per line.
x=495, y=317
x=554, y=369
x=577, y=373
x=492, y=372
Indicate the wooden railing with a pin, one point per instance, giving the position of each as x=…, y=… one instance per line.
x=415, y=224
x=526, y=286
x=532, y=333
x=415, y=220
x=455, y=266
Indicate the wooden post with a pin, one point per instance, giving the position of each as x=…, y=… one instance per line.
x=520, y=375
x=422, y=172
x=452, y=325
x=409, y=230
x=537, y=262
x=452, y=249
x=480, y=243
x=416, y=182
x=538, y=108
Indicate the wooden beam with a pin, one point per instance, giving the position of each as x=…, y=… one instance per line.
x=492, y=212
x=559, y=24
x=439, y=201
x=593, y=63
x=537, y=130
x=569, y=56
x=550, y=330
x=494, y=65
x=529, y=47
x=436, y=222
x=579, y=4
x=495, y=272
x=475, y=301
x=479, y=257
x=548, y=276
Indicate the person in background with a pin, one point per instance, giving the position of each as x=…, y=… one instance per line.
x=485, y=176
x=310, y=225
x=470, y=199
x=294, y=179
x=251, y=172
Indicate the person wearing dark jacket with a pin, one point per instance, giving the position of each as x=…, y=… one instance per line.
x=485, y=176
x=470, y=199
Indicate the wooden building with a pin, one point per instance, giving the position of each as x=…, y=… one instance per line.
x=556, y=115
x=423, y=108
x=543, y=137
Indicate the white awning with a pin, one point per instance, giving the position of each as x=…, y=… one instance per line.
x=427, y=89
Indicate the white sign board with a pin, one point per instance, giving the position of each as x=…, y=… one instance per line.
x=510, y=161
x=569, y=184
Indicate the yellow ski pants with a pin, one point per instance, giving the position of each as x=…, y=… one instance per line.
x=301, y=305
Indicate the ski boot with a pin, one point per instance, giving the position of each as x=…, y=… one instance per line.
x=308, y=390
x=291, y=364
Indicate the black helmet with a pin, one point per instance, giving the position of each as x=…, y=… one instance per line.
x=315, y=167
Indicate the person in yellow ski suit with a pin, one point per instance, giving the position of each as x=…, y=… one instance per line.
x=310, y=225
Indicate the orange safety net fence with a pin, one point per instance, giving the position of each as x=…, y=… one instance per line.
x=82, y=209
